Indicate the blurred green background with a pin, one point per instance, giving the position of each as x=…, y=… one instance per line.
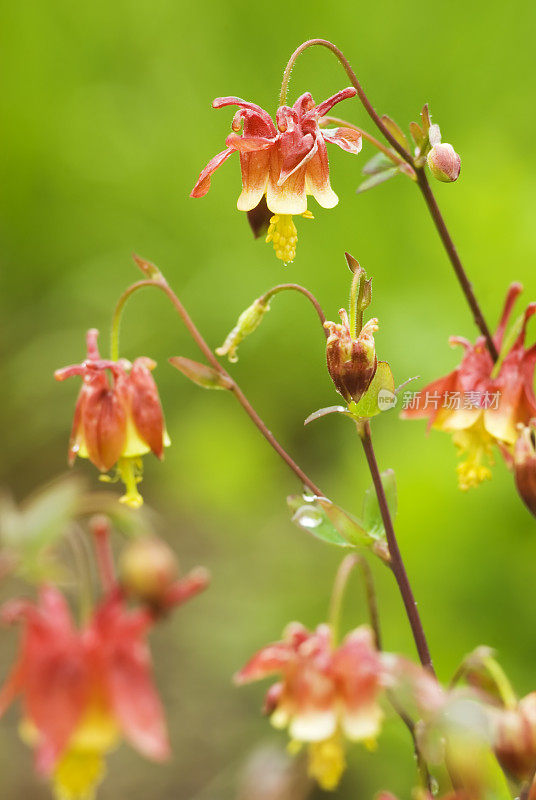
x=107, y=122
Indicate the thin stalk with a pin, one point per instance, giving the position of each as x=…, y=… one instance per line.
x=397, y=161
x=397, y=563
x=281, y=287
x=452, y=253
x=340, y=584
x=100, y=528
x=355, y=83
x=160, y=283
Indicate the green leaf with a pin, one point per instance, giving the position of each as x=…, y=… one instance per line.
x=372, y=518
x=395, y=131
x=380, y=395
x=333, y=525
x=417, y=133
x=323, y=412
x=311, y=517
x=376, y=180
x=201, y=374
x=378, y=163
x=28, y=534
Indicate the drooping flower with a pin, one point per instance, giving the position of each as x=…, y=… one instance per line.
x=118, y=416
x=325, y=693
x=84, y=690
x=283, y=162
x=482, y=403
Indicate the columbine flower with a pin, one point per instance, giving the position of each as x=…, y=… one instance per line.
x=118, y=416
x=351, y=361
x=285, y=163
x=480, y=403
x=84, y=690
x=325, y=692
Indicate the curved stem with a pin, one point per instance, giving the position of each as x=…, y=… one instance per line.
x=355, y=83
x=339, y=588
x=397, y=563
x=452, y=253
x=101, y=530
x=281, y=287
x=161, y=284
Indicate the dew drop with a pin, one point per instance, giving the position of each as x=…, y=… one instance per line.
x=308, y=517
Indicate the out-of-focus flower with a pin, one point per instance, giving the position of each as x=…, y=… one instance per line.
x=482, y=404
x=284, y=162
x=351, y=360
x=148, y=568
x=84, y=690
x=325, y=693
x=118, y=416
x=514, y=736
x=525, y=465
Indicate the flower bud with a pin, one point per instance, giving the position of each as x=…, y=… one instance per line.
x=248, y=322
x=515, y=737
x=351, y=362
x=444, y=162
x=525, y=466
x=148, y=569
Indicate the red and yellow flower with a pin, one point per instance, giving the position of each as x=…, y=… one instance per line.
x=325, y=693
x=481, y=403
x=118, y=416
x=283, y=162
x=84, y=690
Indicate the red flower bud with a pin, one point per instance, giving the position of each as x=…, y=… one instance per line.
x=515, y=737
x=148, y=568
x=525, y=466
x=351, y=361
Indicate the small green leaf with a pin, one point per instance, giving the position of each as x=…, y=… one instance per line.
x=201, y=374
x=331, y=524
x=380, y=395
x=323, y=412
x=395, y=131
x=311, y=517
x=417, y=133
x=426, y=120
x=372, y=518
x=376, y=180
x=378, y=163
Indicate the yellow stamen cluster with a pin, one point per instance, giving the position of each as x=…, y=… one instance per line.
x=477, y=445
x=129, y=470
x=284, y=236
x=327, y=762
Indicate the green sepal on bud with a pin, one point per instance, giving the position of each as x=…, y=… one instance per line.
x=201, y=374
x=248, y=322
x=149, y=269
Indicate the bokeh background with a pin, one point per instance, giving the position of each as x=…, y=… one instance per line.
x=107, y=122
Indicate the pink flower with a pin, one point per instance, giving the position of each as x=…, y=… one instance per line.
x=324, y=692
x=83, y=690
x=480, y=403
x=283, y=162
x=118, y=416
